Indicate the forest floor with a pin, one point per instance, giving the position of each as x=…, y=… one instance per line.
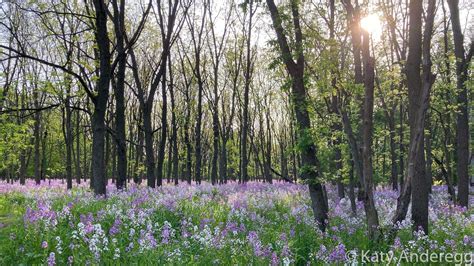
x=255, y=223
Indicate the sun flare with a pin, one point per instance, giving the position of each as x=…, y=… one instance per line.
x=372, y=24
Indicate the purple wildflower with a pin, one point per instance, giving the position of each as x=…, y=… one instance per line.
x=51, y=259
x=254, y=240
x=275, y=260
x=466, y=240
x=397, y=243
x=115, y=229
x=338, y=254
x=165, y=234
x=292, y=232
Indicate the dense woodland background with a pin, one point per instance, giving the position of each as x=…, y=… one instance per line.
x=205, y=90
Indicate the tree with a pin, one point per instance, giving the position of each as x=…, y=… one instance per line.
x=462, y=123
x=250, y=10
x=100, y=100
x=415, y=184
x=367, y=133
x=362, y=58
x=197, y=36
x=309, y=168
x=146, y=98
x=216, y=46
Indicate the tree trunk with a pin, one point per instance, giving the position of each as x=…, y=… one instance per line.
x=87, y=167
x=393, y=154
x=351, y=189
x=215, y=130
x=164, y=129
x=78, y=149
x=223, y=161
x=268, y=155
x=367, y=133
x=197, y=171
x=23, y=166
x=174, y=128
x=462, y=121
x=310, y=163
x=109, y=168
x=283, y=158
x=37, y=136
x=401, y=147
x=429, y=158
x=120, y=138
x=451, y=191
x=245, y=115
x=150, y=158
x=418, y=93
x=100, y=101
x=137, y=174
x=336, y=128
x=187, y=141
x=338, y=161
x=69, y=140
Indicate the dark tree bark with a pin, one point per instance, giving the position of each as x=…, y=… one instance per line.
x=294, y=156
x=451, y=191
x=445, y=118
x=137, y=175
x=174, y=127
x=187, y=141
x=215, y=142
x=283, y=156
x=197, y=44
x=164, y=130
x=109, y=153
x=262, y=145
x=367, y=133
x=310, y=162
x=198, y=128
x=351, y=188
x=268, y=154
x=120, y=141
x=78, y=148
x=68, y=134
x=43, y=155
x=362, y=156
x=168, y=35
x=401, y=147
x=245, y=112
x=393, y=155
x=100, y=100
x=353, y=15
x=462, y=121
x=418, y=93
x=150, y=158
x=87, y=172
x=37, y=136
x=336, y=128
x=187, y=119
x=429, y=158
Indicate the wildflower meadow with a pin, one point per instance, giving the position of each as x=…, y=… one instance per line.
x=231, y=224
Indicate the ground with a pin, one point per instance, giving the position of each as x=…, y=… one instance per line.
x=254, y=223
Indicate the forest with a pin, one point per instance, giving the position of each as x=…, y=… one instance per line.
x=236, y=132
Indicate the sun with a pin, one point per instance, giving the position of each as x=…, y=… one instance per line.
x=372, y=24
